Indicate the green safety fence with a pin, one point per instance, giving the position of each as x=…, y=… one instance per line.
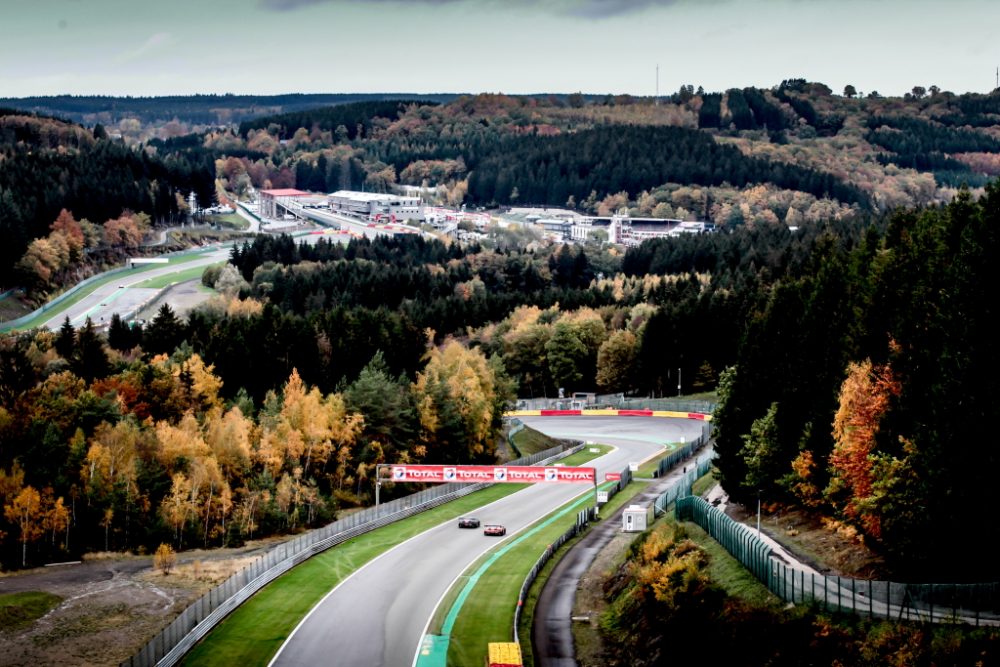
x=975, y=603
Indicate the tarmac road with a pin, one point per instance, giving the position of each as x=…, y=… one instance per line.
x=378, y=616
x=122, y=296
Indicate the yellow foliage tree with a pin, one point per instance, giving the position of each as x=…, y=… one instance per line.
x=230, y=437
x=25, y=511
x=164, y=559
x=461, y=381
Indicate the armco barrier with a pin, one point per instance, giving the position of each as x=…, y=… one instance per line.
x=194, y=623
x=13, y=324
x=10, y=325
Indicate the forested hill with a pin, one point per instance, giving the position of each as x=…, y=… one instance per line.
x=49, y=165
x=795, y=153
x=193, y=109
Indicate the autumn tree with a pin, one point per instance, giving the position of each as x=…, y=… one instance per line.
x=164, y=559
x=123, y=231
x=25, y=510
x=864, y=400
x=55, y=514
x=455, y=395
x=616, y=360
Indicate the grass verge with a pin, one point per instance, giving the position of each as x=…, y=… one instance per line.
x=500, y=577
x=253, y=633
x=499, y=584
x=45, y=316
x=20, y=609
x=181, y=276
x=529, y=441
x=649, y=467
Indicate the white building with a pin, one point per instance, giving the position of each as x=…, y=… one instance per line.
x=377, y=206
x=628, y=231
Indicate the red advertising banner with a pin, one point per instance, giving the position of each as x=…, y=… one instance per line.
x=612, y=476
x=493, y=474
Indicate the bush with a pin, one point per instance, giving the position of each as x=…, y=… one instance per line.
x=164, y=559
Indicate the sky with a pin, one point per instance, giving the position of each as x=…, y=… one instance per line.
x=639, y=47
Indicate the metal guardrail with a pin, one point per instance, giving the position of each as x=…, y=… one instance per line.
x=172, y=643
x=583, y=518
x=44, y=308
x=13, y=324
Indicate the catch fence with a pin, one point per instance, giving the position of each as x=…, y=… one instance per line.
x=172, y=643
x=975, y=604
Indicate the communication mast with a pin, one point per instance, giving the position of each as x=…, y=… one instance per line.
x=657, y=98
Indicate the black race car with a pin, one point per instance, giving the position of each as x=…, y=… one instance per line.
x=468, y=522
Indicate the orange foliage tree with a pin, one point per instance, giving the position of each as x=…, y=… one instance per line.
x=864, y=399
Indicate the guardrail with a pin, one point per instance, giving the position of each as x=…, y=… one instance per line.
x=173, y=642
x=44, y=308
x=14, y=324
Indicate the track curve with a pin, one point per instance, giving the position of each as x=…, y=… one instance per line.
x=377, y=616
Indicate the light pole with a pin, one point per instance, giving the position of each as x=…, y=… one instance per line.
x=758, y=514
x=678, y=383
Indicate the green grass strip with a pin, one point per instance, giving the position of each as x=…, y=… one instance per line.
x=18, y=610
x=181, y=276
x=649, y=467
x=504, y=583
x=254, y=632
x=468, y=629
x=45, y=316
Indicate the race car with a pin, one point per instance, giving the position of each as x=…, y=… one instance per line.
x=468, y=522
x=494, y=529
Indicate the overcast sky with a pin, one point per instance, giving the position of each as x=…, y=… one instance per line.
x=161, y=47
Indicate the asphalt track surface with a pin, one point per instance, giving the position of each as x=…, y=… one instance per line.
x=378, y=616
x=123, y=296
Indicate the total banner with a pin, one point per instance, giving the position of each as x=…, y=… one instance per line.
x=493, y=474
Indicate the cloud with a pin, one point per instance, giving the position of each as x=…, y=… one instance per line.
x=590, y=9
x=601, y=9
x=286, y=5
x=155, y=43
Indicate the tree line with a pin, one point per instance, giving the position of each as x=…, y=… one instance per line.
x=862, y=389
x=95, y=178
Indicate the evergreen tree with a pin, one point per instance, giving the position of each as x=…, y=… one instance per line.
x=65, y=342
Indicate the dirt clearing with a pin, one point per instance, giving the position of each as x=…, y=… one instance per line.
x=112, y=604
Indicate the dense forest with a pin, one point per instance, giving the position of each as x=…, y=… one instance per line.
x=50, y=166
x=193, y=109
x=839, y=311
x=844, y=357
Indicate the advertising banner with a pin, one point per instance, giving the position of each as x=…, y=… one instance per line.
x=493, y=474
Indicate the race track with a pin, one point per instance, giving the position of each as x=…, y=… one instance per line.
x=378, y=616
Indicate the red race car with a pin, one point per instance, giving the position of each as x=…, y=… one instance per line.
x=494, y=530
